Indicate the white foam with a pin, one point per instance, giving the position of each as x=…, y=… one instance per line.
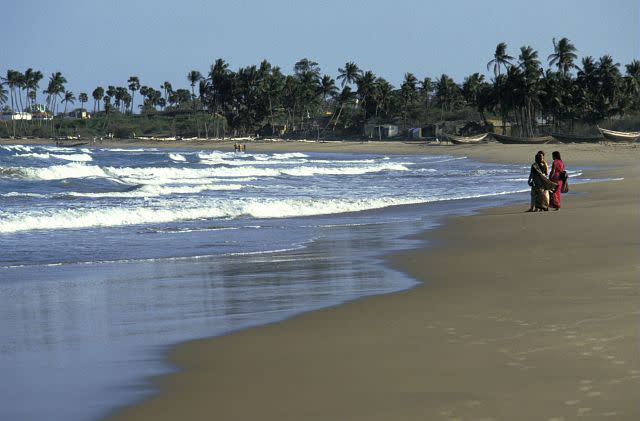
x=199, y=209
x=19, y=148
x=20, y=194
x=167, y=173
x=59, y=172
x=155, y=190
x=177, y=157
x=67, y=157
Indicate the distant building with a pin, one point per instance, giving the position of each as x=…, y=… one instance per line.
x=78, y=114
x=384, y=131
x=499, y=126
x=9, y=115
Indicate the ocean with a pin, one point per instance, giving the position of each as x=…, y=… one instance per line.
x=109, y=256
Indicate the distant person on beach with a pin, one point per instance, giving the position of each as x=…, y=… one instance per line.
x=557, y=176
x=539, y=184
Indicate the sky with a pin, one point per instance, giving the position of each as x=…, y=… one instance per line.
x=103, y=42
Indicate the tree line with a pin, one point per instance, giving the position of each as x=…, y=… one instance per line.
x=520, y=91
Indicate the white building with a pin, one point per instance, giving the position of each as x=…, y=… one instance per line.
x=8, y=115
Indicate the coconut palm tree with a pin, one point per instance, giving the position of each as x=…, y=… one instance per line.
x=134, y=85
x=328, y=87
x=609, y=86
x=471, y=88
x=346, y=96
x=12, y=80
x=194, y=77
x=97, y=95
x=83, y=98
x=408, y=92
x=632, y=80
x=563, y=56
x=366, y=87
x=68, y=98
x=3, y=94
x=500, y=58
x=426, y=88
x=446, y=93
x=383, y=98
x=349, y=74
x=31, y=81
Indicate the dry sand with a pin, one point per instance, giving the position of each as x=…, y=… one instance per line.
x=521, y=316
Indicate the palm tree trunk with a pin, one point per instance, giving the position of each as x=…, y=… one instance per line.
x=335, y=123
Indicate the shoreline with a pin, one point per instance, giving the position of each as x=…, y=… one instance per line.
x=365, y=336
x=359, y=360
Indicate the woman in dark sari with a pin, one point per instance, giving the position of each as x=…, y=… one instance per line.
x=539, y=184
x=556, y=176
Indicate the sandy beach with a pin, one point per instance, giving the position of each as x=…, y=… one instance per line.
x=520, y=316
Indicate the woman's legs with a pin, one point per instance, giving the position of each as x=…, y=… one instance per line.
x=555, y=196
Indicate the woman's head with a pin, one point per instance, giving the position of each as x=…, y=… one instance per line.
x=541, y=153
x=556, y=155
x=539, y=158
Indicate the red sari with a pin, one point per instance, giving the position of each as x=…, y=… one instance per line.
x=556, y=169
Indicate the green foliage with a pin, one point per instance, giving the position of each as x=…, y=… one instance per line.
x=245, y=101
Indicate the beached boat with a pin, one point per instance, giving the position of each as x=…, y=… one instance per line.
x=514, y=140
x=573, y=138
x=615, y=136
x=463, y=140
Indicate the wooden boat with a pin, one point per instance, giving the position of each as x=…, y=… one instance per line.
x=463, y=140
x=615, y=136
x=514, y=140
x=572, y=138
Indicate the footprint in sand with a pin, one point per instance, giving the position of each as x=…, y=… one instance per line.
x=583, y=411
x=594, y=394
x=571, y=403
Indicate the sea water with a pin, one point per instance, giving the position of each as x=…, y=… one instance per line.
x=107, y=256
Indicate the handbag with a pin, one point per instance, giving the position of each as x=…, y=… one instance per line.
x=565, y=186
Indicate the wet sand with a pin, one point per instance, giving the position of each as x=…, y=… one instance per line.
x=521, y=316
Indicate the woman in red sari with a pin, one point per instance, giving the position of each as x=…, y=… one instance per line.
x=556, y=175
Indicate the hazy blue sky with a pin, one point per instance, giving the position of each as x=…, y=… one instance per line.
x=104, y=42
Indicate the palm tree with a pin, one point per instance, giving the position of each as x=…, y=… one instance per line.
x=563, y=55
x=68, y=98
x=12, y=79
x=194, y=76
x=632, y=82
x=97, y=95
x=349, y=74
x=500, y=58
x=346, y=96
x=83, y=97
x=366, y=88
x=383, y=97
x=134, y=85
x=328, y=87
x=408, y=92
x=167, y=88
x=446, y=93
x=426, y=88
x=3, y=94
x=471, y=88
x=33, y=79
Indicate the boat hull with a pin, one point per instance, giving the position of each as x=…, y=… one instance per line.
x=614, y=136
x=512, y=140
x=569, y=138
x=465, y=140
